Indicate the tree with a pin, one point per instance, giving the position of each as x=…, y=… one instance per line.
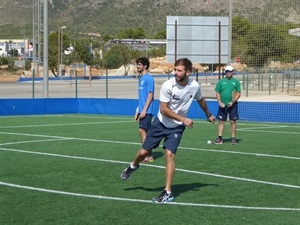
x=113, y=60
x=27, y=64
x=157, y=52
x=3, y=61
x=9, y=61
x=125, y=34
x=240, y=27
x=82, y=51
x=119, y=55
x=130, y=33
x=13, y=52
x=107, y=37
x=139, y=33
x=53, y=52
x=264, y=44
x=53, y=61
x=160, y=35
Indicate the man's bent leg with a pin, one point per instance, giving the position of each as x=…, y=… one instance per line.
x=140, y=156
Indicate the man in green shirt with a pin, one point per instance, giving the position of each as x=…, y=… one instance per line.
x=228, y=91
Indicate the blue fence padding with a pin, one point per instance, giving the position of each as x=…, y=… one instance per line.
x=9, y=107
x=107, y=106
x=284, y=112
x=61, y=105
x=249, y=111
x=110, y=106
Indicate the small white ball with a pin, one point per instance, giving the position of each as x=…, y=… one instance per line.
x=209, y=142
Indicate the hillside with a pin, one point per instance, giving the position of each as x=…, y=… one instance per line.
x=109, y=16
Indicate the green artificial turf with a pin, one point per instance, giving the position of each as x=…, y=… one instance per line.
x=65, y=169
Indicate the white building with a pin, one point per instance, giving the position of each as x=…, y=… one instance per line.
x=21, y=45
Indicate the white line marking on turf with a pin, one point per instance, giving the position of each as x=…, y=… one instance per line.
x=135, y=143
x=69, y=138
x=24, y=142
x=63, y=124
x=101, y=117
x=242, y=153
x=269, y=131
x=258, y=127
x=143, y=201
x=155, y=166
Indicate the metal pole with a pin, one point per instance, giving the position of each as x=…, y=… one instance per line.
x=38, y=37
x=175, y=40
x=270, y=83
x=76, y=85
x=61, y=47
x=24, y=53
x=33, y=37
x=58, y=52
x=33, y=46
x=219, y=50
x=230, y=32
x=45, y=47
x=106, y=83
x=247, y=84
x=33, y=77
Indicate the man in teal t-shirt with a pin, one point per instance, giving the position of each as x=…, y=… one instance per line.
x=228, y=91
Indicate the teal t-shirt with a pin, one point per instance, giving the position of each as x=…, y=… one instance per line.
x=226, y=87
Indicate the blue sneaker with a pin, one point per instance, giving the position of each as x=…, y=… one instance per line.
x=164, y=197
x=127, y=171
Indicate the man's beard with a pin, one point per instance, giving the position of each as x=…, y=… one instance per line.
x=180, y=79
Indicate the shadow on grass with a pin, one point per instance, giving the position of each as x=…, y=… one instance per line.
x=227, y=140
x=157, y=155
x=177, y=188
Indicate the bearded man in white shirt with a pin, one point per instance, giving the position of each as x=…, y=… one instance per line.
x=176, y=97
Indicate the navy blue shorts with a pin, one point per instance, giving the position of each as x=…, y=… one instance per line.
x=145, y=123
x=231, y=112
x=158, y=131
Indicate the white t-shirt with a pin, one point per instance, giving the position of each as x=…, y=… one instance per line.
x=179, y=99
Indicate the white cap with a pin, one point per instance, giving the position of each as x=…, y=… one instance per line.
x=229, y=68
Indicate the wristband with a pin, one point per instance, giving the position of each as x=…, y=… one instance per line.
x=209, y=115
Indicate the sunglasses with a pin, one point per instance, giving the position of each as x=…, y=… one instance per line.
x=228, y=71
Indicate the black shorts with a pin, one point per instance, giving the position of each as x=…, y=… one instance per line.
x=145, y=123
x=231, y=112
x=158, y=131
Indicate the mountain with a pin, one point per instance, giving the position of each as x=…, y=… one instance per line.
x=110, y=16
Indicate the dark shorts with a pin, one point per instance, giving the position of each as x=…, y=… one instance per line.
x=145, y=123
x=158, y=131
x=231, y=112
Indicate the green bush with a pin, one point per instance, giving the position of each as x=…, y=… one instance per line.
x=3, y=61
x=27, y=65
